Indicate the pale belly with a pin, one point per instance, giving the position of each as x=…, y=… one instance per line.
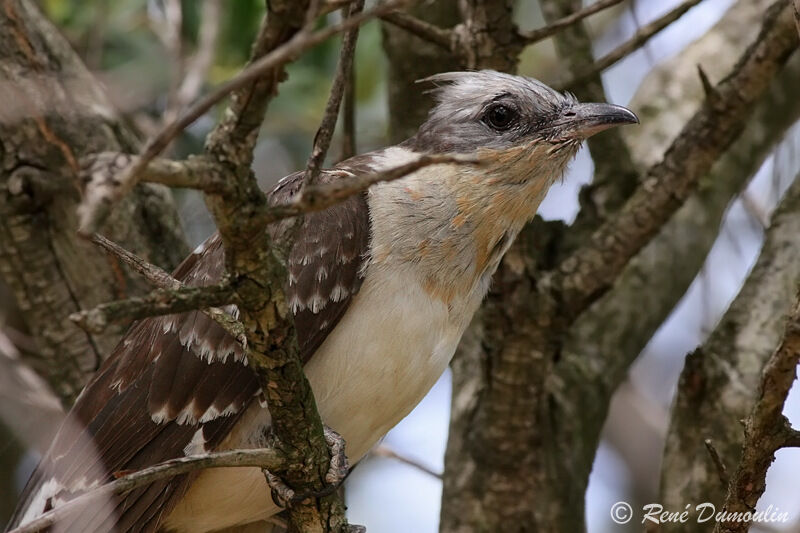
x=389, y=349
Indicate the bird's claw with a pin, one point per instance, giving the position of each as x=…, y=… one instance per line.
x=339, y=466
x=285, y=497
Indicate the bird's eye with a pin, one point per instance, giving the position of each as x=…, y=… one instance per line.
x=500, y=117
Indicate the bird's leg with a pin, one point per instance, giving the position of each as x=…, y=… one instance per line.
x=284, y=496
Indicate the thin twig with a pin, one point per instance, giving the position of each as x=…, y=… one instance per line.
x=422, y=29
x=153, y=274
x=197, y=68
x=102, y=188
x=160, y=278
x=318, y=197
x=168, y=29
x=322, y=139
x=302, y=41
x=262, y=458
x=640, y=38
x=385, y=451
x=155, y=303
x=540, y=34
x=722, y=470
x=173, y=21
x=348, y=149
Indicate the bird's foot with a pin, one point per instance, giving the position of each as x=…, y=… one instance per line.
x=339, y=466
x=285, y=497
x=282, y=495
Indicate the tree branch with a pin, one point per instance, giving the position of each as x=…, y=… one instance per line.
x=422, y=29
x=382, y=450
x=255, y=262
x=585, y=275
x=727, y=366
x=155, y=303
x=643, y=34
x=265, y=458
x=91, y=216
x=791, y=438
x=322, y=140
x=198, y=66
x=348, y=143
x=553, y=28
x=656, y=279
x=766, y=429
x=102, y=189
x=318, y=197
x=153, y=274
x=514, y=390
x=159, y=278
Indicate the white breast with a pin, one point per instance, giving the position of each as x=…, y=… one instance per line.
x=387, y=352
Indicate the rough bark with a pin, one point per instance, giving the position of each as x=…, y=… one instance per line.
x=720, y=380
x=60, y=115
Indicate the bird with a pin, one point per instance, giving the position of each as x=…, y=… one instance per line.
x=381, y=288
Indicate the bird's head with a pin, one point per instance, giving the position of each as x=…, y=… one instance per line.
x=520, y=127
x=456, y=221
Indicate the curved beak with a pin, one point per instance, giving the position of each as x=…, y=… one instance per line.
x=581, y=121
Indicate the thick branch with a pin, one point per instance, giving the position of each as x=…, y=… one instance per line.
x=511, y=408
x=265, y=458
x=766, y=429
x=584, y=276
x=727, y=366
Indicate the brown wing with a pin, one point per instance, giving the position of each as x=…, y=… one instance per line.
x=175, y=385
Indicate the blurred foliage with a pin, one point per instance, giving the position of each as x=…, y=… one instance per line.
x=120, y=42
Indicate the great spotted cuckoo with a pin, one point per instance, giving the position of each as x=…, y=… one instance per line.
x=381, y=288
